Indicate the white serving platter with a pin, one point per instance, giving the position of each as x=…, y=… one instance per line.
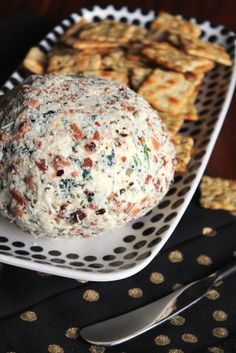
x=127, y=250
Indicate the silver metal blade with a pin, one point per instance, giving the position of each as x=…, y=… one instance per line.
x=129, y=325
x=136, y=322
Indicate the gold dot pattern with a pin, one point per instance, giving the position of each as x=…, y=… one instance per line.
x=91, y=295
x=157, y=278
x=212, y=294
x=72, y=333
x=81, y=281
x=189, y=338
x=162, y=340
x=177, y=320
x=220, y=332
x=175, y=256
x=135, y=292
x=218, y=283
x=180, y=334
x=97, y=349
x=220, y=315
x=215, y=350
x=28, y=316
x=204, y=260
x=43, y=274
x=209, y=232
x=177, y=286
x=54, y=348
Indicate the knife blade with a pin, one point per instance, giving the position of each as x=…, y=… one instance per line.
x=129, y=325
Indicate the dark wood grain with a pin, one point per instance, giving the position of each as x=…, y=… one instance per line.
x=223, y=159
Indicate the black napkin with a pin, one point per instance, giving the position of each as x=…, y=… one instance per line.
x=60, y=304
x=44, y=313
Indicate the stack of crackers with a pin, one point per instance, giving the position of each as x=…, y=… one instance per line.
x=165, y=65
x=218, y=193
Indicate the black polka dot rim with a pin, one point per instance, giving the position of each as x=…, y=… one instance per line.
x=124, y=251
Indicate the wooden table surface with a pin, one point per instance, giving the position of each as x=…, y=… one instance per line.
x=223, y=159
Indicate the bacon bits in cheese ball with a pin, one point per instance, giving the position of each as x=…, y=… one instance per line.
x=79, y=156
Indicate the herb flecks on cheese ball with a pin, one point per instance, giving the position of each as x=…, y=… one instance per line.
x=79, y=156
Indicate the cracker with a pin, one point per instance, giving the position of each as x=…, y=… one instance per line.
x=72, y=62
x=189, y=112
x=196, y=81
x=35, y=61
x=174, y=39
x=166, y=91
x=113, y=60
x=94, y=44
x=170, y=23
x=136, y=60
x=156, y=35
x=183, y=148
x=203, y=49
x=136, y=48
x=172, y=122
x=73, y=31
x=110, y=31
x=174, y=59
x=119, y=76
x=217, y=193
x=138, y=76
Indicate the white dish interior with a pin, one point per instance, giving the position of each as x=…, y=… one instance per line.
x=125, y=251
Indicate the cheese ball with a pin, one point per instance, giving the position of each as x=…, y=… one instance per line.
x=80, y=156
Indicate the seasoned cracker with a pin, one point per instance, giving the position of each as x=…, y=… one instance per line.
x=203, y=49
x=156, y=35
x=166, y=91
x=136, y=60
x=72, y=62
x=73, y=31
x=167, y=22
x=94, y=44
x=174, y=39
x=196, y=81
x=218, y=193
x=113, y=60
x=135, y=48
x=172, y=58
x=35, y=61
x=119, y=76
x=183, y=148
x=110, y=31
x=138, y=75
x=189, y=112
x=172, y=122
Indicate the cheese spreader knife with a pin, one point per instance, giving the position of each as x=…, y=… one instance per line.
x=124, y=327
